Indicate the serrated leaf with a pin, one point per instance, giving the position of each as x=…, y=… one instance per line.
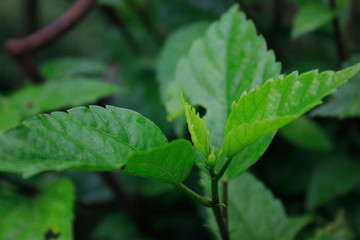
x=334, y=177
x=253, y=212
x=345, y=102
x=312, y=15
x=278, y=102
x=197, y=129
x=306, y=133
x=33, y=100
x=97, y=139
x=228, y=60
x=51, y=212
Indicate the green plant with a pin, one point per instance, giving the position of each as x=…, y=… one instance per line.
x=230, y=73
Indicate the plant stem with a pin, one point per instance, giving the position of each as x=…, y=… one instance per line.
x=221, y=173
x=190, y=193
x=225, y=201
x=217, y=208
x=341, y=49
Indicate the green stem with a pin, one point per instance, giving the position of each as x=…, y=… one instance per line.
x=217, y=208
x=221, y=173
x=190, y=193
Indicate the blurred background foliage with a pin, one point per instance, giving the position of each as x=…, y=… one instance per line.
x=124, y=53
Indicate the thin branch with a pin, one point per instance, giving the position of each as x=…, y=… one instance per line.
x=21, y=49
x=31, y=15
x=340, y=43
x=145, y=20
x=23, y=186
x=217, y=206
x=51, y=31
x=225, y=201
x=118, y=191
x=115, y=19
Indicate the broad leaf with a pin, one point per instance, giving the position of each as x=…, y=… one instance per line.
x=48, y=214
x=197, y=129
x=306, y=133
x=278, y=102
x=94, y=139
x=312, y=15
x=334, y=177
x=253, y=212
x=33, y=100
x=228, y=60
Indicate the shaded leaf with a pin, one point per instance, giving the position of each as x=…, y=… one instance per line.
x=253, y=211
x=35, y=99
x=297, y=223
x=334, y=177
x=337, y=230
x=312, y=15
x=69, y=68
x=277, y=103
x=306, y=133
x=176, y=46
x=197, y=129
x=49, y=213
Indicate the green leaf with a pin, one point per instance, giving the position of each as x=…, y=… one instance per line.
x=24, y=218
x=253, y=212
x=334, y=177
x=197, y=129
x=35, y=99
x=97, y=139
x=344, y=103
x=229, y=59
x=176, y=46
x=171, y=163
x=312, y=15
x=278, y=102
x=69, y=68
x=306, y=133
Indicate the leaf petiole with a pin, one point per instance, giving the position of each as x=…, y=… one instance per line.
x=193, y=195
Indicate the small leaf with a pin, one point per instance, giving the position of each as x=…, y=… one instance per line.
x=253, y=212
x=306, y=133
x=312, y=15
x=334, y=177
x=49, y=96
x=277, y=103
x=197, y=129
x=171, y=163
x=50, y=213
